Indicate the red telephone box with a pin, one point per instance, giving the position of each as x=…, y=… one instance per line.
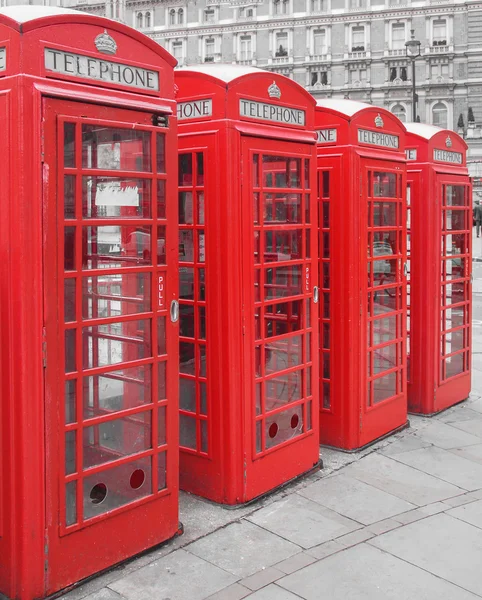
x=89, y=352
x=247, y=206
x=361, y=186
x=439, y=199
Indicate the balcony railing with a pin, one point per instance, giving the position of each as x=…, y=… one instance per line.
x=439, y=49
x=358, y=55
x=281, y=60
x=397, y=52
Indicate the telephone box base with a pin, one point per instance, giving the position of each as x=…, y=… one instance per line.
x=436, y=412
x=406, y=425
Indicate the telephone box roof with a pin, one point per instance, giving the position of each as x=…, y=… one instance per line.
x=423, y=130
x=25, y=13
x=344, y=107
x=226, y=73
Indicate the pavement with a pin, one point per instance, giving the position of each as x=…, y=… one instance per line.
x=400, y=520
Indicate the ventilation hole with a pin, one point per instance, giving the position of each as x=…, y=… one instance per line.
x=137, y=479
x=98, y=493
x=273, y=430
x=294, y=421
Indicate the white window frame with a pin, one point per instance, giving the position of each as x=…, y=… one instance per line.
x=245, y=55
x=447, y=107
x=352, y=43
x=324, y=49
x=212, y=11
x=277, y=45
x=398, y=25
x=432, y=31
x=177, y=43
x=404, y=106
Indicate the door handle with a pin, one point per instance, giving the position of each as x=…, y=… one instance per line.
x=174, y=311
x=316, y=293
x=405, y=269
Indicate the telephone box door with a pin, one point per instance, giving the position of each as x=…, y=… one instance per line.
x=383, y=204
x=281, y=262
x=111, y=345
x=455, y=291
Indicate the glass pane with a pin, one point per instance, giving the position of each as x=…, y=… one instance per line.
x=70, y=401
x=115, y=149
x=70, y=461
x=282, y=318
x=202, y=323
x=455, y=268
x=200, y=208
x=385, y=214
x=282, y=208
x=204, y=399
x=282, y=245
x=69, y=300
x=280, y=282
x=187, y=363
x=186, y=320
x=201, y=246
x=384, y=387
x=116, y=246
x=256, y=207
x=255, y=170
x=384, y=330
x=117, y=390
x=161, y=199
x=70, y=350
x=384, y=272
x=281, y=172
x=384, y=185
x=69, y=248
x=117, y=486
x=187, y=394
x=186, y=245
x=454, y=317
x=455, y=220
x=384, y=358
x=283, y=354
x=284, y=426
x=454, y=293
x=115, y=197
x=455, y=341
x=161, y=153
x=185, y=208
x=204, y=436
x=185, y=169
x=187, y=431
x=326, y=395
x=162, y=471
x=454, y=365
x=161, y=245
x=116, y=342
x=161, y=336
x=186, y=283
x=69, y=145
x=69, y=196
x=202, y=360
x=202, y=285
x=455, y=195
x=70, y=503
x=200, y=168
x=283, y=389
x=114, y=439
x=113, y=295
x=161, y=425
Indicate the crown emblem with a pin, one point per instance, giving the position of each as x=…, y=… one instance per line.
x=105, y=43
x=448, y=142
x=274, y=91
x=379, y=121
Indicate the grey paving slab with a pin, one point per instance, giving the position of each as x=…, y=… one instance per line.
x=273, y=592
x=178, y=576
x=473, y=453
x=472, y=426
x=243, y=548
x=445, y=436
x=383, y=526
x=405, y=444
x=303, y=521
x=326, y=549
x=442, y=545
x=104, y=594
x=470, y=513
x=460, y=500
x=434, y=508
x=296, y=562
x=232, y=592
x=401, y=480
x=462, y=412
x=262, y=578
x=355, y=499
x=367, y=573
x=476, y=405
x=445, y=465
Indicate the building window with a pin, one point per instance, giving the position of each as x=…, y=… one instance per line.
x=281, y=44
x=398, y=73
x=245, y=48
x=209, y=15
x=358, y=39
x=176, y=50
x=172, y=17
x=398, y=36
x=357, y=76
x=319, y=78
x=440, y=115
x=176, y=17
x=209, y=50
x=317, y=6
x=357, y=4
x=140, y=21
x=439, y=70
x=245, y=13
x=147, y=20
x=400, y=111
x=439, y=37
x=280, y=7
x=319, y=42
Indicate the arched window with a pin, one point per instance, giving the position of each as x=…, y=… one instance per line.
x=399, y=111
x=277, y=7
x=286, y=4
x=180, y=16
x=147, y=20
x=439, y=115
x=172, y=17
x=139, y=21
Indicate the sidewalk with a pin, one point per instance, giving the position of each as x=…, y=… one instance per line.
x=400, y=520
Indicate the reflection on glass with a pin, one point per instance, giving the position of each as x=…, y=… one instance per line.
x=455, y=195
x=454, y=365
x=115, y=246
x=454, y=220
x=115, y=149
x=69, y=196
x=283, y=426
x=281, y=172
x=282, y=318
x=161, y=380
x=69, y=145
x=455, y=268
x=187, y=394
x=70, y=401
x=454, y=292
x=187, y=431
x=282, y=245
x=384, y=185
x=111, y=440
x=69, y=299
x=161, y=425
x=384, y=387
x=186, y=320
x=204, y=436
x=200, y=208
x=283, y=354
x=186, y=281
x=70, y=458
x=114, y=295
x=70, y=503
x=203, y=398
x=385, y=214
x=113, y=343
x=384, y=358
x=255, y=170
x=161, y=336
x=200, y=168
x=115, y=198
x=186, y=245
x=161, y=199
x=116, y=390
x=283, y=389
x=455, y=341
x=117, y=486
x=69, y=248
x=161, y=245
x=185, y=208
x=282, y=208
x=162, y=471
x=256, y=207
x=161, y=153
x=187, y=358
x=185, y=169
x=70, y=350
x=280, y=282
